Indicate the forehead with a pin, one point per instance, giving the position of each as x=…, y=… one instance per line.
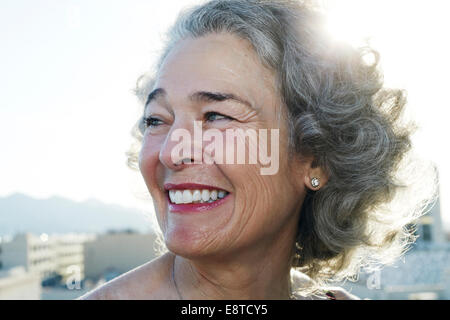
x=216, y=62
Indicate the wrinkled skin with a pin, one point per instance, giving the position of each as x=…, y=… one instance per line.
x=254, y=214
x=241, y=249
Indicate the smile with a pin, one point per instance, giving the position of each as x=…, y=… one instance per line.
x=194, y=197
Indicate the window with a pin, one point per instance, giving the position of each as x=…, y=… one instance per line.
x=426, y=232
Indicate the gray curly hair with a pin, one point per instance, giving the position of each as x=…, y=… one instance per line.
x=340, y=114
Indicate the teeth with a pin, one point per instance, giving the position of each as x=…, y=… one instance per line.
x=178, y=197
x=195, y=196
x=172, y=195
x=205, y=195
x=187, y=196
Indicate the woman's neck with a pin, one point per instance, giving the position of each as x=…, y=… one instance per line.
x=253, y=274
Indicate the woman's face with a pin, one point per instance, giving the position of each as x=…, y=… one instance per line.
x=251, y=208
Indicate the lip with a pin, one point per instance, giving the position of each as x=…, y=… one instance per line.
x=193, y=207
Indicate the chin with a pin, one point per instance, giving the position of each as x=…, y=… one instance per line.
x=192, y=244
x=193, y=233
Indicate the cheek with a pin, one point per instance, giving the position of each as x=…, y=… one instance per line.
x=263, y=203
x=148, y=161
x=150, y=168
x=265, y=192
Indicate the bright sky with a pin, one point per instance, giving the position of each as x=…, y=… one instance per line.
x=68, y=68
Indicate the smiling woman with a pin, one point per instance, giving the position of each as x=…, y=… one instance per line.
x=234, y=233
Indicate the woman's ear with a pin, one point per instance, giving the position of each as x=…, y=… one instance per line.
x=314, y=178
x=307, y=175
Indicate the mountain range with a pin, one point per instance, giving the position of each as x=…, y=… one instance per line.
x=21, y=213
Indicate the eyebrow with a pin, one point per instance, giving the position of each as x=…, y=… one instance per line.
x=201, y=96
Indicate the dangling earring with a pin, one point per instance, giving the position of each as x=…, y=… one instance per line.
x=315, y=182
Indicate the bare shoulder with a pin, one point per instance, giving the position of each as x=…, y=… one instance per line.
x=148, y=281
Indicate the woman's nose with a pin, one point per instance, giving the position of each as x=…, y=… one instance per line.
x=182, y=146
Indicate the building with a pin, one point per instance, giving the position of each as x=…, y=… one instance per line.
x=28, y=261
x=430, y=228
x=69, y=255
x=17, y=284
x=423, y=273
x=47, y=256
x=34, y=253
x=115, y=253
x=1, y=259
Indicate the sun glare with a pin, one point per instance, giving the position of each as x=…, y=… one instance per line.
x=411, y=37
x=348, y=20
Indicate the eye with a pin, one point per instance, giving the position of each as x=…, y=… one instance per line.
x=213, y=116
x=151, y=122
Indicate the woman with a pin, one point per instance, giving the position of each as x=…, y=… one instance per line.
x=231, y=231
